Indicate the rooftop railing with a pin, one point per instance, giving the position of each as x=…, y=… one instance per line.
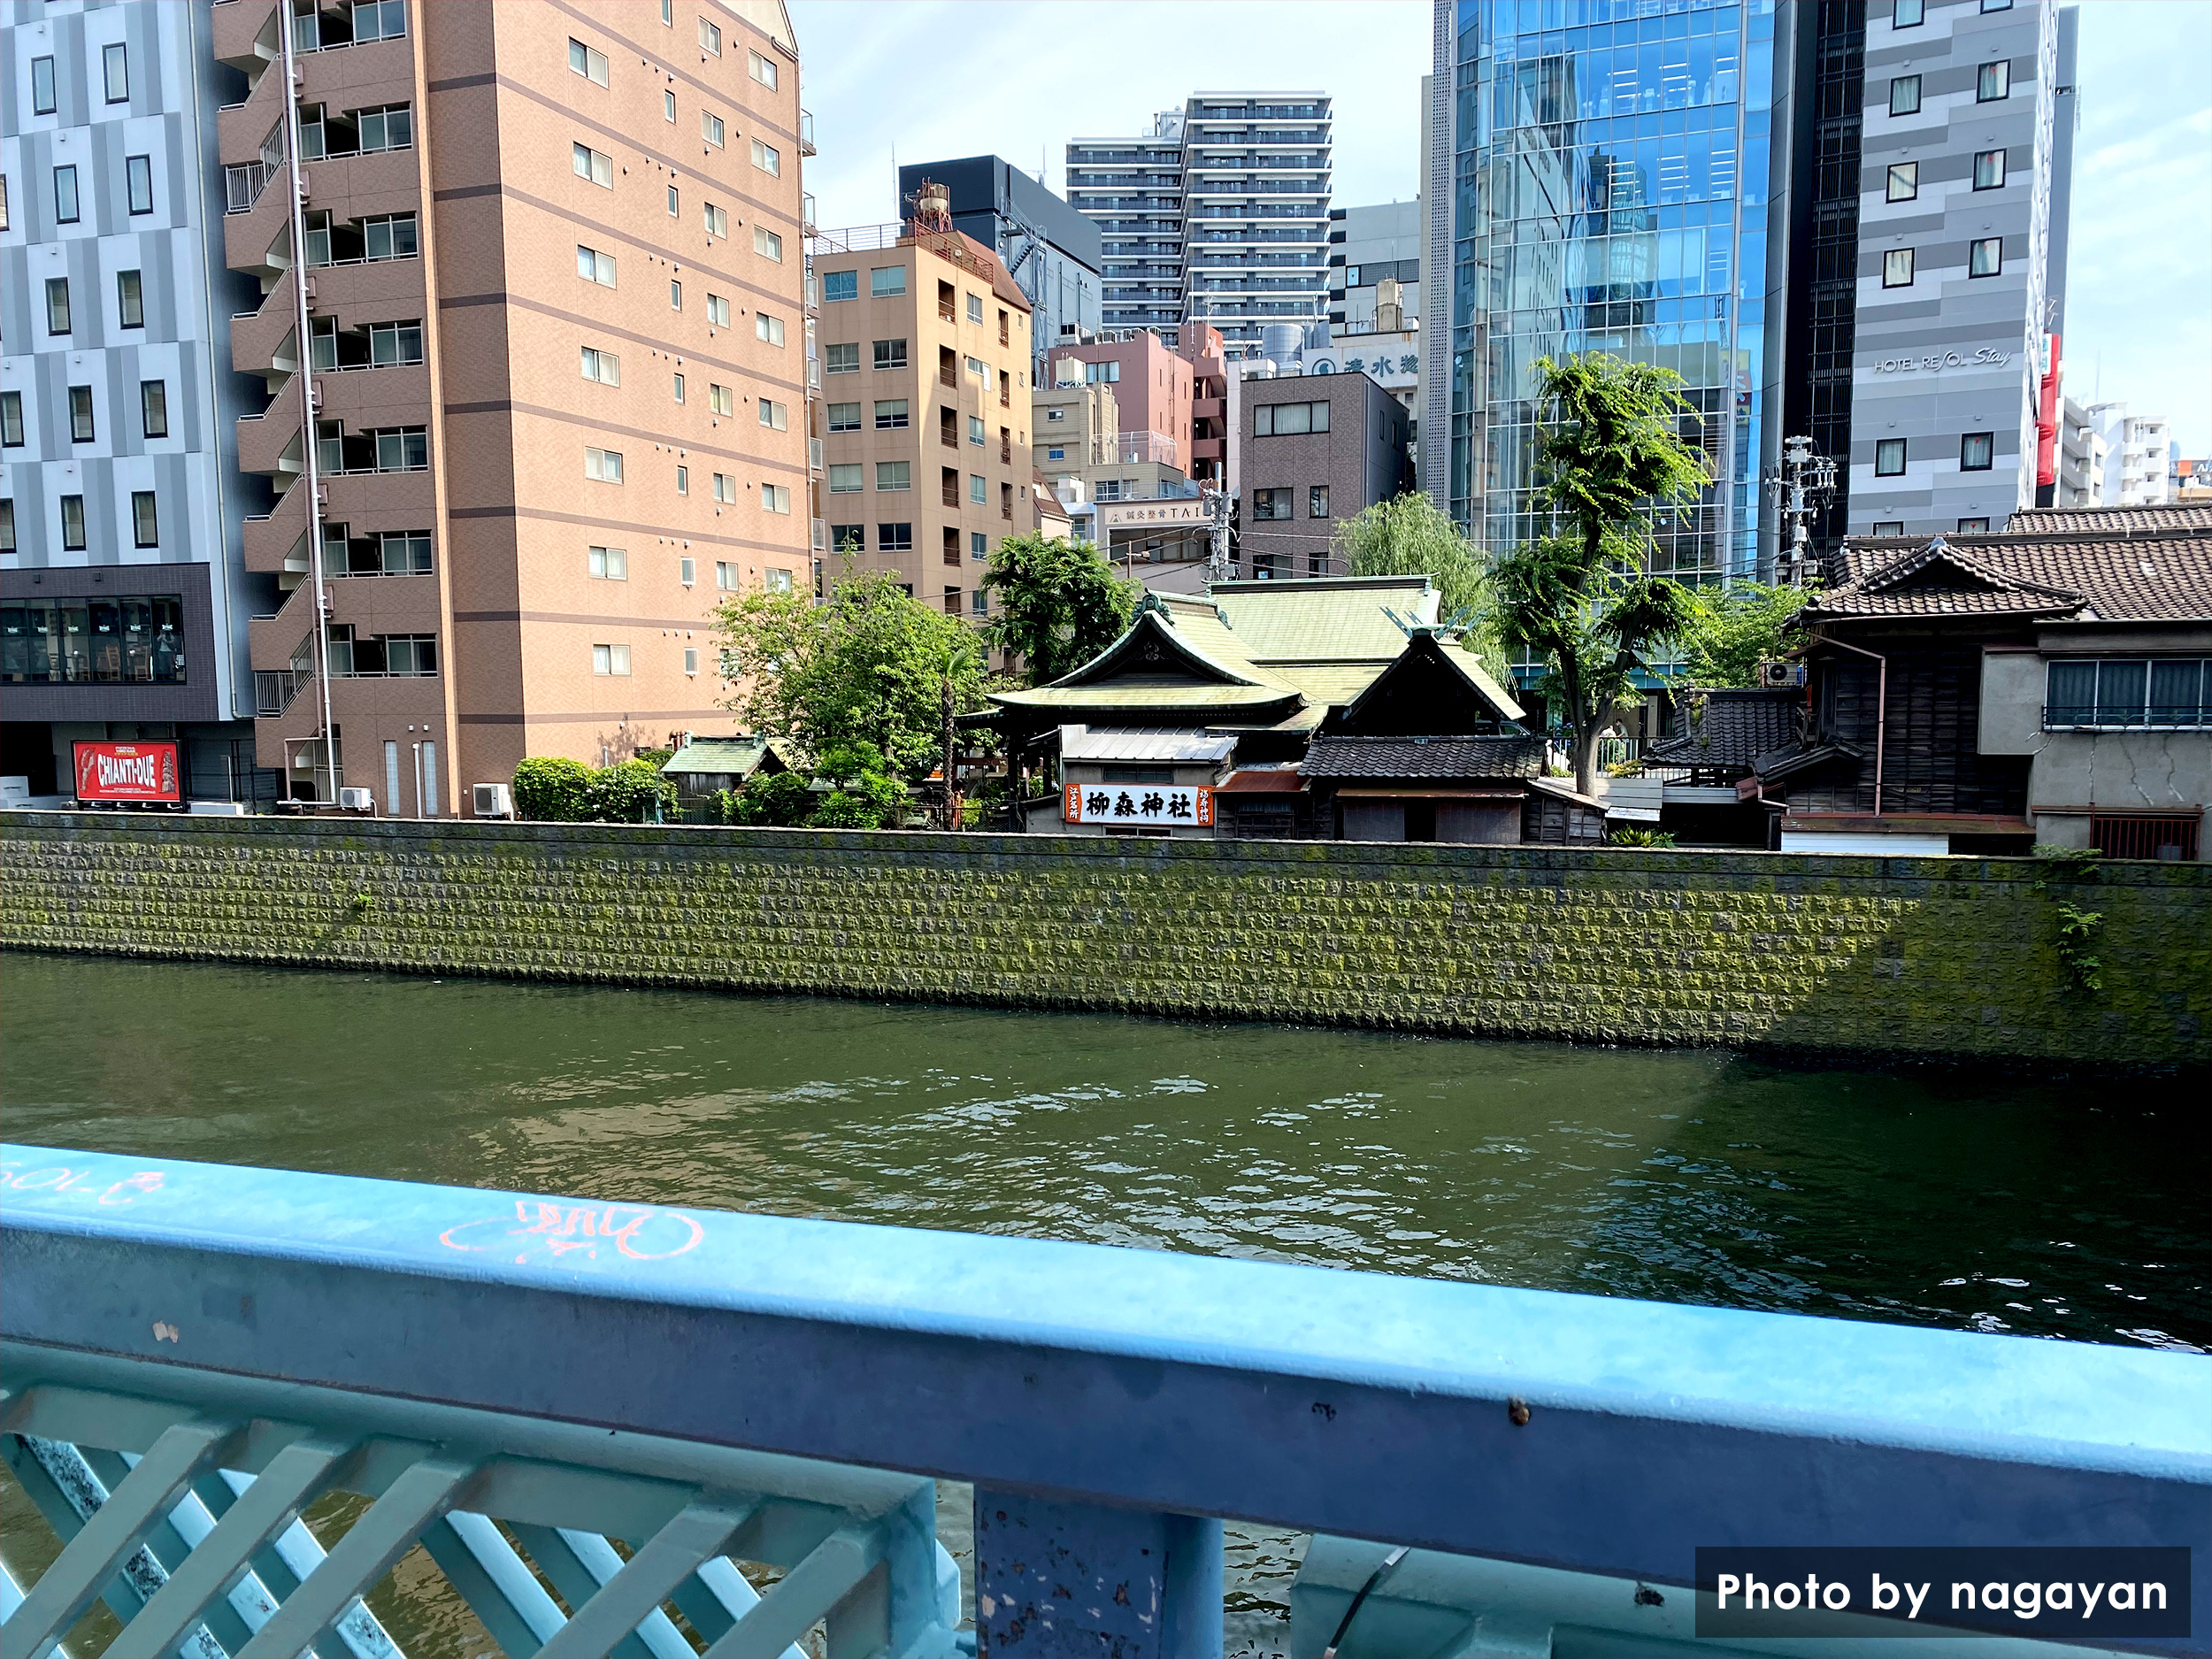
x=191, y=1354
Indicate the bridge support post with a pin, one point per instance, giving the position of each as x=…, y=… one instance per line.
x=1055, y=1578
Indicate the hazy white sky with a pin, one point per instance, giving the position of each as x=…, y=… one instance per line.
x=934, y=79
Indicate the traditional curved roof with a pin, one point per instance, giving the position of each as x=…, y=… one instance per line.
x=2101, y=576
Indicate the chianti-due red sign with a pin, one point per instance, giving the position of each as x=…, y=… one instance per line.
x=128, y=771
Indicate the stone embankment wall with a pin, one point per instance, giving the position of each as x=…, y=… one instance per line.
x=1936, y=958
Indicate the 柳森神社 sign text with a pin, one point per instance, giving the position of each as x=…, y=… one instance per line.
x=1187, y=804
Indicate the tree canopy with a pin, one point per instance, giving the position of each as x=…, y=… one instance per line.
x=867, y=666
x=1410, y=536
x=1057, y=603
x=1737, y=628
x=1610, y=453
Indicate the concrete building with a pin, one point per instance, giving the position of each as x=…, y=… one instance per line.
x=2081, y=458
x=123, y=600
x=1219, y=215
x=1154, y=390
x=1052, y=252
x=2137, y=470
x=520, y=369
x=1370, y=247
x=926, y=397
x=1317, y=448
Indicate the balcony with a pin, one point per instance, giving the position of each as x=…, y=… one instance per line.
x=270, y=443
x=806, y=133
x=1100, y=1400
x=265, y=341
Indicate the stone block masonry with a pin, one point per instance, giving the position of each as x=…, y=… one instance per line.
x=1930, y=958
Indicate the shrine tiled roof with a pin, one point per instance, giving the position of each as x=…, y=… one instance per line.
x=1325, y=619
x=1424, y=757
x=2101, y=576
x=1727, y=726
x=2165, y=519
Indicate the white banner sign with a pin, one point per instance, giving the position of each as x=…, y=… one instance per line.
x=1191, y=806
x=1121, y=515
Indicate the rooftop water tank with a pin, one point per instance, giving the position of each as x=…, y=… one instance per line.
x=1283, y=342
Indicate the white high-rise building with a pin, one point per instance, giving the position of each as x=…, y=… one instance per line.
x=1219, y=215
x=2136, y=453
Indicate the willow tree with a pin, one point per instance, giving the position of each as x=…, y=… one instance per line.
x=1611, y=455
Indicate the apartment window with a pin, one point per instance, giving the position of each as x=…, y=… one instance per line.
x=726, y=577
x=768, y=328
x=726, y=489
x=668, y=106
x=686, y=572
x=892, y=476
x=848, y=538
x=775, y=498
x=379, y=20
x=767, y=244
x=894, y=538
x=720, y=400
x=691, y=659
x=1288, y=420
x=607, y=563
x=775, y=416
x=1889, y=459
x=844, y=417
x=10, y=419
x=130, y=300
x=668, y=13
x=392, y=236
x=890, y=353
x=845, y=478
x=1318, y=501
x=884, y=280
x=65, y=196
x=975, y=308
x=891, y=414
x=7, y=523
x=73, y=523
x=1904, y=95
x=1909, y=15
x=588, y=61
x=717, y=311
x=42, y=86
x=979, y=545
x=1270, y=503
x=407, y=449
x=610, y=659
x=1993, y=82
x=675, y=295
x=1897, y=268
x=58, y=305
x=1996, y=5
x=153, y=408
x=840, y=285
x=675, y=202
x=683, y=480
x=766, y=158
x=594, y=266
x=978, y=489
x=1989, y=170
x=677, y=382
x=1904, y=180
x=4, y=201
x=404, y=552
x=1055, y=455
x=81, y=424
x=2128, y=692
x=596, y=164
x=1985, y=256
x=710, y=128
x=138, y=183
x=1978, y=452
x=710, y=38
x=115, y=67
x=976, y=429
x=390, y=128
x=603, y=466
x=1974, y=526
x=603, y=367
x=980, y=604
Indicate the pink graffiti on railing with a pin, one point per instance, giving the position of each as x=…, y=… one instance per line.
x=556, y=1231
x=76, y=1183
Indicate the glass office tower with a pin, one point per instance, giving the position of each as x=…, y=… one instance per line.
x=1610, y=170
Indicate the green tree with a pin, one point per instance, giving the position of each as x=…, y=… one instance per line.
x=1410, y=536
x=777, y=802
x=628, y=793
x=551, y=789
x=867, y=665
x=1736, y=628
x=1611, y=452
x=1059, y=604
x=867, y=796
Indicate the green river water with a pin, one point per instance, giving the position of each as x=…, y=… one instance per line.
x=2047, y=1207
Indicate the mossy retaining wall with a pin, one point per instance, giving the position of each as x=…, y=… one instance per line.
x=1930, y=957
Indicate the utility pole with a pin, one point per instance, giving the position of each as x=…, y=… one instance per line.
x=1801, y=483
x=1217, y=539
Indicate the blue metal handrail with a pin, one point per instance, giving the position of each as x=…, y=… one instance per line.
x=1100, y=1398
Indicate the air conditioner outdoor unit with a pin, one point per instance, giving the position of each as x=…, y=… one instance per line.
x=1779, y=675
x=494, y=800
x=355, y=801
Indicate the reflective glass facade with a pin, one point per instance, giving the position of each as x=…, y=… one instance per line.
x=1610, y=192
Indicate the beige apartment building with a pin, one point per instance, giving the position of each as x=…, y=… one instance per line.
x=554, y=367
x=924, y=401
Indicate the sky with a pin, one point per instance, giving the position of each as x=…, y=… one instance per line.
x=932, y=79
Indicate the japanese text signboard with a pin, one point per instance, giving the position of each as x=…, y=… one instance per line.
x=1189, y=806
x=128, y=771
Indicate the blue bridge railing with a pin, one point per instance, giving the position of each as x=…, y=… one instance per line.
x=622, y=1428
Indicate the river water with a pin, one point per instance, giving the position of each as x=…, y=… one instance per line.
x=1958, y=1199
